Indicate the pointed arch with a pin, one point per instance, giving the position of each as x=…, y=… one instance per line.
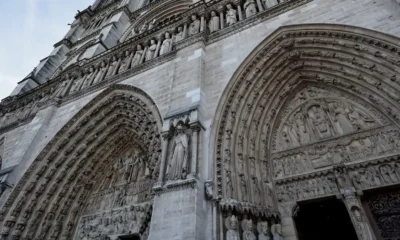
x=357, y=67
x=47, y=202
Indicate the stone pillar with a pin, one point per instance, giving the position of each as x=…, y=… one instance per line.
x=221, y=17
x=202, y=23
x=179, y=211
x=358, y=217
x=164, y=147
x=240, y=12
x=287, y=222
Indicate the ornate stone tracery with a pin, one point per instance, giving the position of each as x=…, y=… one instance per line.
x=298, y=106
x=66, y=172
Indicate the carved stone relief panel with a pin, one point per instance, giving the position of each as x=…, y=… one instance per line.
x=316, y=114
x=361, y=146
x=111, y=224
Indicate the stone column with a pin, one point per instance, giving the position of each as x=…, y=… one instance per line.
x=164, y=147
x=358, y=216
x=195, y=141
x=221, y=17
x=202, y=23
x=287, y=222
x=240, y=12
x=185, y=32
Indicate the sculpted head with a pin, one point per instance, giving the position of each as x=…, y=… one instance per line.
x=234, y=222
x=180, y=29
x=103, y=64
x=229, y=6
x=139, y=47
x=264, y=228
x=167, y=35
x=278, y=229
x=194, y=17
x=213, y=14
x=357, y=214
x=249, y=225
x=152, y=41
x=127, y=53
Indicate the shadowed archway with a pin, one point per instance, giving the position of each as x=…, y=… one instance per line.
x=52, y=195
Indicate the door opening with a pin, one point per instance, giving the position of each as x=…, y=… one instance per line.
x=326, y=219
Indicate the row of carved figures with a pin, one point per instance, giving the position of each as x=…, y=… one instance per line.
x=250, y=230
x=232, y=15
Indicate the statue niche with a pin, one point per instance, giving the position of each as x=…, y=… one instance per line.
x=179, y=154
x=321, y=117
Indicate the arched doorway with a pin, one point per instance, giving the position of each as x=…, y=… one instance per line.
x=93, y=180
x=312, y=113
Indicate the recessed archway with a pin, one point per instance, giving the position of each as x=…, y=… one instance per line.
x=56, y=189
x=307, y=98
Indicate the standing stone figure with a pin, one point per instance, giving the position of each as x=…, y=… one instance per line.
x=214, y=22
x=194, y=27
x=179, y=156
x=89, y=77
x=250, y=8
x=248, y=233
x=179, y=36
x=151, y=50
x=101, y=73
x=263, y=231
x=126, y=62
x=167, y=44
x=277, y=232
x=138, y=56
x=112, y=69
x=76, y=85
x=232, y=233
x=231, y=17
x=63, y=88
x=269, y=3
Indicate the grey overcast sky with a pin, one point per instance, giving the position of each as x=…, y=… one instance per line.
x=28, y=31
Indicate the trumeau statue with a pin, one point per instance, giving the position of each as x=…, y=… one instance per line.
x=178, y=163
x=248, y=233
x=250, y=8
x=214, y=22
x=138, y=56
x=263, y=230
x=166, y=45
x=231, y=16
x=180, y=35
x=194, y=27
x=150, y=53
x=232, y=225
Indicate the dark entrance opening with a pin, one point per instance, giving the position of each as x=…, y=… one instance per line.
x=327, y=219
x=129, y=237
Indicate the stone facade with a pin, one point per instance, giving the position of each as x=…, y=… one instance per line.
x=177, y=119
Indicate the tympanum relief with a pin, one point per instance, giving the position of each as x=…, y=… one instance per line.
x=120, y=205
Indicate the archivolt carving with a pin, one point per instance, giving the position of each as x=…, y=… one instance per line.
x=62, y=178
x=309, y=97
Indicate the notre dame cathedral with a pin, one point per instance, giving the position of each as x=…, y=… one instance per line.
x=209, y=120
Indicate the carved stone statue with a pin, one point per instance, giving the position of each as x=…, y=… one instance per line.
x=76, y=85
x=362, y=227
x=263, y=231
x=194, y=27
x=138, y=56
x=233, y=231
x=231, y=16
x=208, y=186
x=112, y=69
x=151, y=50
x=179, y=158
x=64, y=87
x=89, y=77
x=180, y=35
x=277, y=232
x=126, y=62
x=101, y=73
x=143, y=28
x=167, y=44
x=250, y=8
x=248, y=233
x=151, y=24
x=214, y=22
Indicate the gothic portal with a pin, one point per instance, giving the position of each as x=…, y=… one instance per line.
x=228, y=120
